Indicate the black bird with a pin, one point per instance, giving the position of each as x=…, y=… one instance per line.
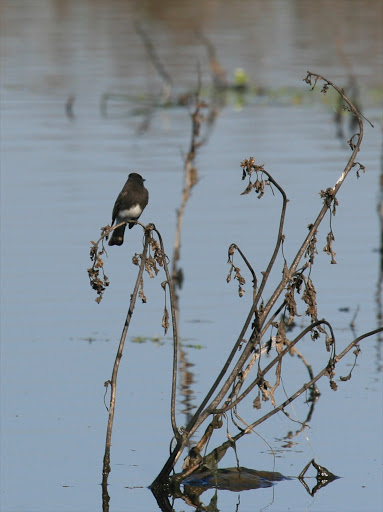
x=128, y=206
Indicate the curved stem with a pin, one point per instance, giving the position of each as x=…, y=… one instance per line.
x=204, y=409
x=175, y=338
x=113, y=382
x=278, y=243
x=263, y=372
x=327, y=202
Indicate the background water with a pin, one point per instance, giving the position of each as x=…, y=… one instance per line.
x=59, y=179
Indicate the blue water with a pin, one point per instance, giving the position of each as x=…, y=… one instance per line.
x=59, y=180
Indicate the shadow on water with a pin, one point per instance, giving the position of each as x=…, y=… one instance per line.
x=230, y=479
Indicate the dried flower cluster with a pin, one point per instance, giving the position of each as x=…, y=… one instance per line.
x=98, y=280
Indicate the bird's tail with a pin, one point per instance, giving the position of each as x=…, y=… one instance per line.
x=117, y=237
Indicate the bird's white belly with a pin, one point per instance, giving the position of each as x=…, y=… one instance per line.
x=132, y=213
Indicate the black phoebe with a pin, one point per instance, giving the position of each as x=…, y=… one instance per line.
x=129, y=205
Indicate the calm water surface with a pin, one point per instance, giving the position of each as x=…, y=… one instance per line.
x=59, y=179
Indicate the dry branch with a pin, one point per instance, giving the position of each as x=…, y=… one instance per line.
x=262, y=316
x=113, y=382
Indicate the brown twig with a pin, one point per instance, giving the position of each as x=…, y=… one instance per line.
x=263, y=372
x=173, y=306
x=113, y=382
x=261, y=315
x=328, y=370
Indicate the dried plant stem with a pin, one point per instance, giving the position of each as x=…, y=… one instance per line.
x=325, y=371
x=240, y=338
x=262, y=373
x=259, y=316
x=173, y=308
x=274, y=297
x=278, y=242
x=327, y=203
x=113, y=382
x=173, y=278
x=287, y=276
x=305, y=387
